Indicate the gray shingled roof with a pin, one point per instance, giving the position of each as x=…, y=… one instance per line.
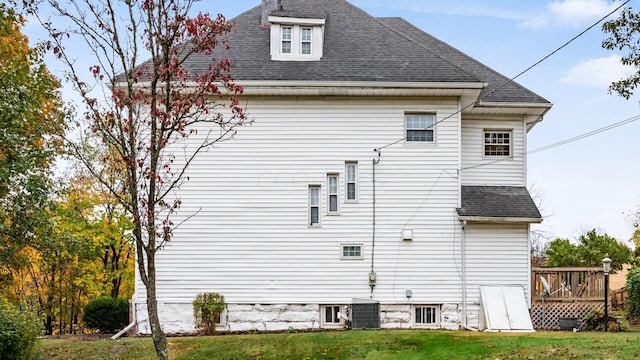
x=357, y=47
x=498, y=202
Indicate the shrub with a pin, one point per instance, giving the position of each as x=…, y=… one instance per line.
x=633, y=289
x=594, y=321
x=19, y=330
x=207, y=309
x=106, y=314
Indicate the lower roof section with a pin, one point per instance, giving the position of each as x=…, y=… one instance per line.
x=498, y=204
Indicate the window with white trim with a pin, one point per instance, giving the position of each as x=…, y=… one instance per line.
x=420, y=127
x=305, y=41
x=351, y=251
x=497, y=143
x=296, y=39
x=314, y=205
x=425, y=315
x=333, y=181
x=285, y=36
x=351, y=190
x=333, y=315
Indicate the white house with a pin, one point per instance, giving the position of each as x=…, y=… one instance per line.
x=381, y=184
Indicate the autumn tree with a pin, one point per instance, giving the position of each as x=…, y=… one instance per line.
x=31, y=129
x=591, y=248
x=156, y=115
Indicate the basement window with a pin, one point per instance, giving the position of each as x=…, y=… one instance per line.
x=333, y=315
x=425, y=315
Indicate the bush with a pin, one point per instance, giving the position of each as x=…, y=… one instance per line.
x=633, y=289
x=594, y=321
x=19, y=330
x=207, y=309
x=106, y=314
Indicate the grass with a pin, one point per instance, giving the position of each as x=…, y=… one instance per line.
x=392, y=344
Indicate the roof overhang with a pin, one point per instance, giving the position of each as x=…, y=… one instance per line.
x=465, y=90
x=504, y=220
x=534, y=111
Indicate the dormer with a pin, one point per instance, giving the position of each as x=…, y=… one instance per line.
x=294, y=37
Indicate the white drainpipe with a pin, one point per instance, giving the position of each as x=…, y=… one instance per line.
x=133, y=319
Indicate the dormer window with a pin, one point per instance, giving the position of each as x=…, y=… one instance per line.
x=305, y=38
x=296, y=39
x=286, y=39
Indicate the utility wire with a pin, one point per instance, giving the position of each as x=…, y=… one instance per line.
x=560, y=143
x=517, y=76
x=585, y=135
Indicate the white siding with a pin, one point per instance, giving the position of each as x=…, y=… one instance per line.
x=496, y=255
x=248, y=237
x=478, y=169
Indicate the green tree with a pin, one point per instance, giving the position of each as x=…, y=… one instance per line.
x=624, y=35
x=31, y=131
x=589, y=251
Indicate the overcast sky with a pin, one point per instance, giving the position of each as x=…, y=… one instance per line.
x=586, y=184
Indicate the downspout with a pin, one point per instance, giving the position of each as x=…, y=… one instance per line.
x=464, y=275
x=133, y=320
x=372, y=273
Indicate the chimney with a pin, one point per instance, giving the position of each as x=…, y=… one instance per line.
x=269, y=6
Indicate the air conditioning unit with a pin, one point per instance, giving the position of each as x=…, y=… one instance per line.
x=365, y=314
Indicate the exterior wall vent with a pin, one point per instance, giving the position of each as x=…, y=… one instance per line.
x=365, y=314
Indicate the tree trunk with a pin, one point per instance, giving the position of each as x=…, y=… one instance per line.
x=158, y=335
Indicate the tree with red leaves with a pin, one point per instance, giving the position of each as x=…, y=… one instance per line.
x=155, y=117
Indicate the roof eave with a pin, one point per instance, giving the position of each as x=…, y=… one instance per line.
x=497, y=219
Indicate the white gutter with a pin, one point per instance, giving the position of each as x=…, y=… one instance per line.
x=133, y=320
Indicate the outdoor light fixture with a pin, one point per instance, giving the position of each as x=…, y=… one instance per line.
x=606, y=267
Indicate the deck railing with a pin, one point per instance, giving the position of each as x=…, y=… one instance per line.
x=568, y=284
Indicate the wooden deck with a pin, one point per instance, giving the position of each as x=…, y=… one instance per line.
x=574, y=291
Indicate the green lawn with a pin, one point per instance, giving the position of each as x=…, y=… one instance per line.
x=396, y=344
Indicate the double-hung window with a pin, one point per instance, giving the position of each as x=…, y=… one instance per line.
x=314, y=205
x=420, y=127
x=497, y=143
x=351, y=182
x=333, y=188
x=286, y=37
x=305, y=41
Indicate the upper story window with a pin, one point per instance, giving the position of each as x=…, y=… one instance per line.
x=305, y=41
x=285, y=32
x=296, y=39
x=314, y=205
x=332, y=187
x=420, y=127
x=351, y=182
x=497, y=143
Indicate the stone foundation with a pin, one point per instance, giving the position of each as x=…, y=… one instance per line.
x=177, y=318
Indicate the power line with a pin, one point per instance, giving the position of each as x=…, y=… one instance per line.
x=585, y=135
x=517, y=76
x=559, y=143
